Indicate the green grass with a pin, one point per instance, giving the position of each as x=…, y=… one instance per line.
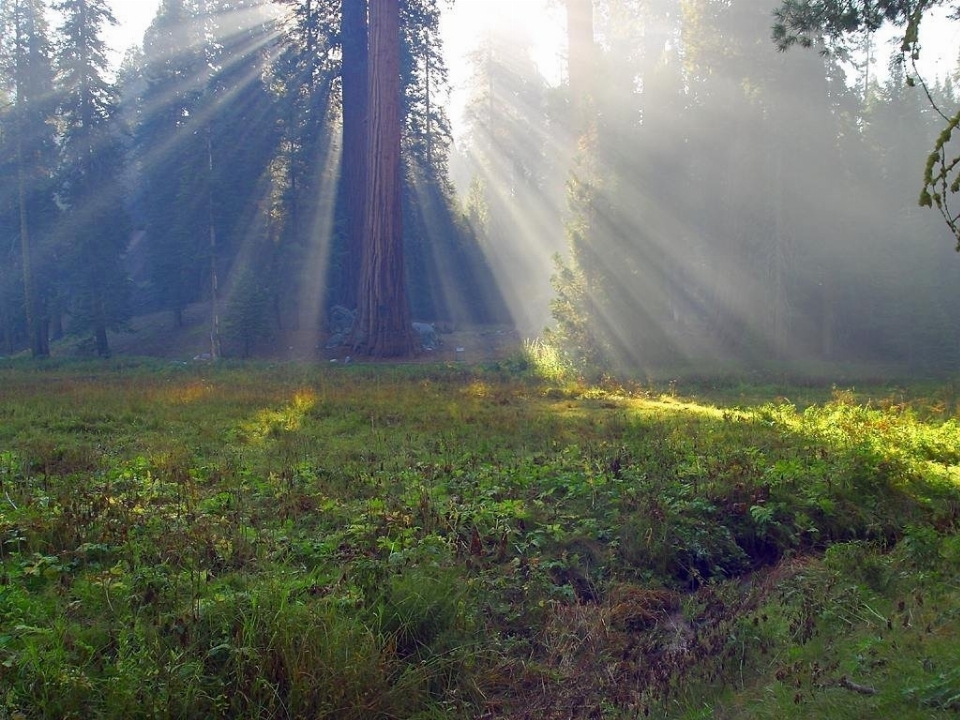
x=437, y=541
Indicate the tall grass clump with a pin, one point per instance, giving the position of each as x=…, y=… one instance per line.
x=549, y=362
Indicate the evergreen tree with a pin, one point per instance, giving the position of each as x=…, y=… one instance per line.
x=304, y=77
x=27, y=70
x=172, y=148
x=10, y=277
x=240, y=120
x=437, y=269
x=515, y=153
x=95, y=226
x=353, y=161
x=323, y=77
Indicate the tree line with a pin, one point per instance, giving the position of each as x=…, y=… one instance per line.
x=226, y=162
x=721, y=199
x=685, y=192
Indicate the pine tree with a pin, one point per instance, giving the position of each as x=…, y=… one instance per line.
x=354, y=97
x=516, y=153
x=28, y=72
x=304, y=75
x=172, y=149
x=10, y=285
x=95, y=226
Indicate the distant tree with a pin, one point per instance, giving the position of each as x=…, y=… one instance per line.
x=581, y=280
x=517, y=152
x=909, y=309
x=95, y=225
x=808, y=22
x=584, y=327
x=430, y=238
x=610, y=299
x=426, y=129
x=383, y=327
x=239, y=117
x=172, y=150
x=581, y=55
x=10, y=284
x=303, y=76
x=25, y=53
x=246, y=322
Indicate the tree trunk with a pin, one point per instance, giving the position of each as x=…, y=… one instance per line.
x=353, y=160
x=100, y=325
x=31, y=305
x=383, y=327
x=5, y=313
x=216, y=351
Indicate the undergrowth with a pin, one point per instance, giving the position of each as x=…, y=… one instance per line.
x=450, y=541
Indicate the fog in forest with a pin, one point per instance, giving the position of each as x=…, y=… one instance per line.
x=662, y=188
x=715, y=198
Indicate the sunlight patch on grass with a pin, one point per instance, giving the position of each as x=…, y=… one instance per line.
x=189, y=393
x=267, y=423
x=477, y=389
x=675, y=405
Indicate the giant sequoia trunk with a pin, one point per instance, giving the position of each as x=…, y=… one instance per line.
x=353, y=33
x=383, y=327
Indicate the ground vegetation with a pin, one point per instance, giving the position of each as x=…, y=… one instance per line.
x=494, y=540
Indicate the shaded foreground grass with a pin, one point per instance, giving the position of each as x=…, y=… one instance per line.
x=442, y=542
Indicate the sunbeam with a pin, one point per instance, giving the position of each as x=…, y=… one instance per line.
x=316, y=263
x=654, y=179
x=701, y=198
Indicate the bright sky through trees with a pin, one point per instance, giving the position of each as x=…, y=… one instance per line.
x=462, y=24
x=465, y=24
x=134, y=17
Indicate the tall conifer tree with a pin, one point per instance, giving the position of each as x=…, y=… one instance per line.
x=355, y=95
x=29, y=73
x=172, y=148
x=95, y=227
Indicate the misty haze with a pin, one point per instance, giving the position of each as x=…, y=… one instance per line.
x=687, y=197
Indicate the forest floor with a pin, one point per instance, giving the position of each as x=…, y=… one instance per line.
x=456, y=540
x=156, y=335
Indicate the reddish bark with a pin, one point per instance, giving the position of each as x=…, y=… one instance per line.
x=383, y=327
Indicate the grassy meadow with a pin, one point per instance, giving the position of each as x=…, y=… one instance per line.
x=455, y=541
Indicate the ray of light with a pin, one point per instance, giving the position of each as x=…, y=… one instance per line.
x=716, y=287
x=525, y=228
x=314, y=271
x=237, y=45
